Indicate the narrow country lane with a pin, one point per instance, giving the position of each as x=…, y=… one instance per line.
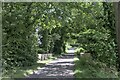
x=84, y=34
x=59, y=69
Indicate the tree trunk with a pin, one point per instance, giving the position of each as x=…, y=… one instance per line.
x=45, y=40
x=117, y=17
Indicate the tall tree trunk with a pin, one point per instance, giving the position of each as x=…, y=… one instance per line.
x=117, y=17
x=45, y=40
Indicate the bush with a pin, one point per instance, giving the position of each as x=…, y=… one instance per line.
x=100, y=44
x=41, y=51
x=78, y=51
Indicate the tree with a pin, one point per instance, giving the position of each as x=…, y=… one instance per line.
x=19, y=40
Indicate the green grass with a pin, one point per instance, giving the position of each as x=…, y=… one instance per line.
x=93, y=69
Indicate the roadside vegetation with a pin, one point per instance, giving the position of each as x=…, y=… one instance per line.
x=32, y=28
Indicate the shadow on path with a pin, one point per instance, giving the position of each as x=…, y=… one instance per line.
x=59, y=69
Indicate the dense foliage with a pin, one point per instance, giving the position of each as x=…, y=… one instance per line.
x=19, y=41
x=99, y=37
x=32, y=28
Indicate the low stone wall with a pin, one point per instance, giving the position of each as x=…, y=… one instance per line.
x=44, y=56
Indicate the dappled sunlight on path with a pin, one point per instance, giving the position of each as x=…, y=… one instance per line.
x=62, y=67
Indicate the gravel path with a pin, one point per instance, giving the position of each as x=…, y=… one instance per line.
x=59, y=69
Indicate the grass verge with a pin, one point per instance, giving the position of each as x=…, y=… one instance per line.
x=93, y=69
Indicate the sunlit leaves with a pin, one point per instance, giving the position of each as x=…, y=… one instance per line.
x=55, y=24
x=97, y=38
